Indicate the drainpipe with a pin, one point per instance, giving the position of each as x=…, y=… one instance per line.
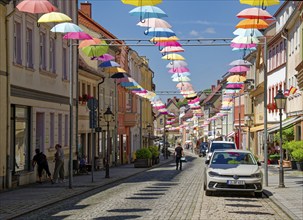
x=102, y=81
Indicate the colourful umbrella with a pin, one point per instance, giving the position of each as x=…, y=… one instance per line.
x=109, y=64
x=173, y=56
x=86, y=43
x=104, y=57
x=260, y=2
x=240, y=63
x=249, y=50
x=168, y=44
x=184, y=85
x=95, y=51
x=148, y=12
x=112, y=70
x=245, y=40
x=173, y=49
x=236, y=79
x=54, y=17
x=159, y=32
x=243, y=46
x=77, y=36
x=252, y=23
x=66, y=27
x=248, y=32
x=180, y=69
x=141, y=2
x=254, y=13
x=36, y=6
x=234, y=86
x=119, y=75
x=176, y=64
x=238, y=69
x=163, y=39
x=154, y=22
x=180, y=74
x=181, y=79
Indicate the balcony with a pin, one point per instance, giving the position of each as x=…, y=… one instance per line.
x=130, y=119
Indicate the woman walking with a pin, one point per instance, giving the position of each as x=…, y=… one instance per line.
x=59, y=164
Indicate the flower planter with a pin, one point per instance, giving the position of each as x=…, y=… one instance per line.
x=285, y=164
x=142, y=163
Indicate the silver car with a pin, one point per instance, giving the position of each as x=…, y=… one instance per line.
x=233, y=170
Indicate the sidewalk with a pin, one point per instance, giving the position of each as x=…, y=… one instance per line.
x=290, y=198
x=30, y=197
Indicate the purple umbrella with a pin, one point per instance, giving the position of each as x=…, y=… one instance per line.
x=180, y=69
x=77, y=36
x=238, y=69
x=240, y=63
x=104, y=57
x=241, y=45
x=234, y=86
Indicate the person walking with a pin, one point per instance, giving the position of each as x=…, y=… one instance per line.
x=41, y=160
x=178, y=154
x=59, y=164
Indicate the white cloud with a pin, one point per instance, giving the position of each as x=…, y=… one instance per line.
x=194, y=33
x=210, y=30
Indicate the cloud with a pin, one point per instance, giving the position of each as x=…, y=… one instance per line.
x=204, y=22
x=194, y=33
x=210, y=30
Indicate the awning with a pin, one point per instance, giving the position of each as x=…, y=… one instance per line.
x=286, y=124
x=231, y=134
x=257, y=128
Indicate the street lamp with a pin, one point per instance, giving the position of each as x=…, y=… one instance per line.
x=280, y=101
x=248, y=121
x=149, y=128
x=108, y=116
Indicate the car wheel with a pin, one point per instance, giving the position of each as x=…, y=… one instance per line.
x=258, y=194
x=208, y=193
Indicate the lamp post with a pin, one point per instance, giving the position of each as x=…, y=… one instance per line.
x=280, y=101
x=108, y=115
x=248, y=121
x=149, y=128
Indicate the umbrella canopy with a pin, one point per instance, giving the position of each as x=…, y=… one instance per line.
x=163, y=39
x=168, y=44
x=176, y=64
x=184, y=85
x=236, y=79
x=173, y=56
x=254, y=13
x=234, y=86
x=240, y=63
x=66, y=27
x=180, y=69
x=245, y=40
x=243, y=46
x=252, y=23
x=90, y=42
x=154, y=22
x=119, y=75
x=172, y=49
x=148, y=11
x=141, y=2
x=104, y=57
x=95, y=51
x=248, y=32
x=36, y=6
x=160, y=32
x=181, y=79
x=249, y=50
x=238, y=69
x=112, y=70
x=77, y=36
x=109, y=64
x=54, y=17
x=180, y=74
x=260, y=2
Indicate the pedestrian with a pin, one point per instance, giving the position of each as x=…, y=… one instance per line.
x=59, y=164
x=41, y=160
x=178, y=154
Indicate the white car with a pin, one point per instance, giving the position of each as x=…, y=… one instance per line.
x=233, y=170
x=220, y=145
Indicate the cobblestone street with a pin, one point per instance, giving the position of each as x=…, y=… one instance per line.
x=161, y=193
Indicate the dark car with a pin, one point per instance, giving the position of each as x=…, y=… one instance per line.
x=203, y=149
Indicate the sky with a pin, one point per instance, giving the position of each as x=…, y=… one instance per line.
x=189, y=19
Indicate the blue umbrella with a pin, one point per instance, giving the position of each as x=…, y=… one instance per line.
x=175, y=75
x=160, y=32
x=66, y=27
x=128, y=84
x=109, y=63
x=148, y=12
x=248, y=32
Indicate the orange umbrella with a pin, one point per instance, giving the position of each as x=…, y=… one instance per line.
x=252, y=23
x=86, y=43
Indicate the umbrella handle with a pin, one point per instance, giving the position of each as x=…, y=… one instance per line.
x=146, y=32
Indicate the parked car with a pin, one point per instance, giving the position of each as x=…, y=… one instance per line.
x=220, y=145
x=233, y=170
x=203, y=149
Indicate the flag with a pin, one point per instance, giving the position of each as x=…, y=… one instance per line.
x=292, y=90
x=286, y=93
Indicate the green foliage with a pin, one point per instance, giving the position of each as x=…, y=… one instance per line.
x=287, y=135
x=292, y=146
x=143, y=153
x=154, y=151
x=298, y=154
x=182, y=103
x=274, y=156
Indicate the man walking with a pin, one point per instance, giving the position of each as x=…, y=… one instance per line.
x=178, y=154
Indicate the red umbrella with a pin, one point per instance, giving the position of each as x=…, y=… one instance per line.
x=254, y=13
x=36, y=6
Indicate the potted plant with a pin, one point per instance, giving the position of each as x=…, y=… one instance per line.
x=143, y=158
x=298, y=156
x=290, y=148
x=274, y=158
x=155, y=154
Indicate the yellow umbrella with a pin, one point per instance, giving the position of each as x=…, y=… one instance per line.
x=54, y=17
x=141, y=2
x=173, y=56
x=260, y=2
x=163, y=39
x=236, y=78
x=112, y=70
x=252, y=23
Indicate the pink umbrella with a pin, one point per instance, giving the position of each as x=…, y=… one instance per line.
x=77, y=36
x=36, y=6
x=254, y=13
x=172, y=49
x=240, y=45
x=238, y=69
x=176, y=63
x=234, y=86
x=104, y=57
x=180, y=69
x=168, y=43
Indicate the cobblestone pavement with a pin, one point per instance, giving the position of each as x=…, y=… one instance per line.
x=161, y=193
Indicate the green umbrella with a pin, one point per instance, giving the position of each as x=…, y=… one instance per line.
x=96, y=50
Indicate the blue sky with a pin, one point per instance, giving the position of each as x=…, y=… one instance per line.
x=189, y=19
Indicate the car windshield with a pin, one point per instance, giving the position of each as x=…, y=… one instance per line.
x=222, y=146
x=233, y=158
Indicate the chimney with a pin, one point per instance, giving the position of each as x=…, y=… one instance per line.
x=86, y=8
x=213, y=87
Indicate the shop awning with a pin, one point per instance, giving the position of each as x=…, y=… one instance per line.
x=231, y=134
x=286, y=124
x=257, y=128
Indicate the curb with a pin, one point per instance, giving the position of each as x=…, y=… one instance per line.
x=169, y=160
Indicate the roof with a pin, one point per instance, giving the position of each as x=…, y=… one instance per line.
x=216, y=89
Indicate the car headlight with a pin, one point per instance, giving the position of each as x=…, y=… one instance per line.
x=256, y=175
x=213, y=174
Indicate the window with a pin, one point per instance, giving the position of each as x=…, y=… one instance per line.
x=55, y=3
x=52, y=55
x=89, y=90
x=95, y=92
x=83, y=89
x=281, y=52
x=102, y=98
x=64, y=64
x=161, y=121
x=60, y=129
x=17, y=43
x=42, y=51
x=63, y=4
x=129, y=102
x=66, y=130
x=273, y=58
x=112, y=99
x=52, y=130
x=277, y=55
x=269, y=60
x=29, y=48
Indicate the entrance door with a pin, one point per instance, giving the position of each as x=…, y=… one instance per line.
x=40, y=134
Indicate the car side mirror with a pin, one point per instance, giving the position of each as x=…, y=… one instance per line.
x=259, y=163
x=207, y=162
